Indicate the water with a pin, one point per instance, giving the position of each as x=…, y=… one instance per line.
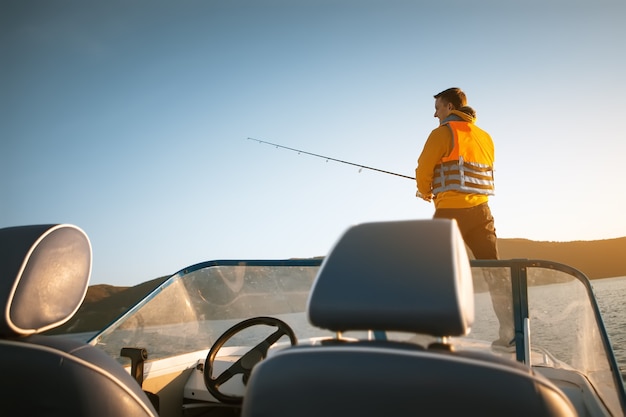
x=611, y=293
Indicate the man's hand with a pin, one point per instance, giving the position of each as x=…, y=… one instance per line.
x=426, y=197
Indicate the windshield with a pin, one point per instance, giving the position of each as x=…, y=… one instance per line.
x=558, y=316
x=194, y=307
x=554, y=311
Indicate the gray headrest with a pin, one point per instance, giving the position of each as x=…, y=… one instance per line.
x=411, y=276
x=44, y=274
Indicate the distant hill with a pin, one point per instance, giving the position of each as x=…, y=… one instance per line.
x=596, y=259
x=103, y=304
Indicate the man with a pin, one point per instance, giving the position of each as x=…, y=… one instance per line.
x=455, y=171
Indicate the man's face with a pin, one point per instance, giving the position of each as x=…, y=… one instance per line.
x=442, y=109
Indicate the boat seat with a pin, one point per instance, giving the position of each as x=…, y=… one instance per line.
x=44, y=275
x=407, y=276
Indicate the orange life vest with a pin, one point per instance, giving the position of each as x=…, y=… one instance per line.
x=469, y=167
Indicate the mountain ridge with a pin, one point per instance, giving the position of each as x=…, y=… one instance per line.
x=604, y=258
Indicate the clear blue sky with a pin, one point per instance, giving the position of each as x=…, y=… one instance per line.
x=130, y=118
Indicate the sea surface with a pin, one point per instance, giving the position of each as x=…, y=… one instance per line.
x=611, y=296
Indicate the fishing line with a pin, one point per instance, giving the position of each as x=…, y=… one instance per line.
x=328, y=158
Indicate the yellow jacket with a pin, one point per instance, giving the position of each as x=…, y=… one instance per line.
x=438, y=146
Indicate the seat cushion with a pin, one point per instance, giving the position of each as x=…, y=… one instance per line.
x=52, y=376
x=361, y=380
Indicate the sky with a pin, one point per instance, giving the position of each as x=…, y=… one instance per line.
x=131, y=119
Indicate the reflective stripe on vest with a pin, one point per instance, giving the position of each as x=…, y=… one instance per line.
x=456, y=172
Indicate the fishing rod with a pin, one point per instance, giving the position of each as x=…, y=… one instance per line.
x=328, y=158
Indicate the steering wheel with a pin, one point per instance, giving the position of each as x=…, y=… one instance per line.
x=245, y=363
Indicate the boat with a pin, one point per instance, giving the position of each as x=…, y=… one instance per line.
x=395, y=320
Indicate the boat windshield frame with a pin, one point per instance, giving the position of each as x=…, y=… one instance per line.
x=222, y=293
